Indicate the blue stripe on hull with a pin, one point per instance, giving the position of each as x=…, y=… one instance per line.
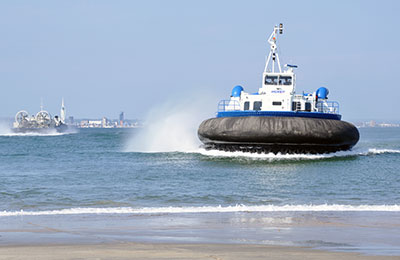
x=280, y=113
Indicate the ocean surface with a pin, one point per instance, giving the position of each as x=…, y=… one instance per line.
x=98, y=173
x=94, y=169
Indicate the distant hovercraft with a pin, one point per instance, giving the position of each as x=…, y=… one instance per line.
x=42, y=122
x=276, y=119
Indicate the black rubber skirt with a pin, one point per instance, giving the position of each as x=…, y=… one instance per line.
x=278, y=134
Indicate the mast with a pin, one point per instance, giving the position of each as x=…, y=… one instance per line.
x=273, y=55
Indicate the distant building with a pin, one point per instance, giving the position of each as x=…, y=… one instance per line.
x=84, y=123
x=71, y=120
x=63, y=113
x=95, y=123
x=373, y=123
x=104, y=122
x=121, y=119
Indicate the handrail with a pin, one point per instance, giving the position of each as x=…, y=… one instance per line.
x=323, y=106
x=228, y=105
x=330, y=107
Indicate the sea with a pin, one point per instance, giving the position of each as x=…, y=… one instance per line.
x=103, y=185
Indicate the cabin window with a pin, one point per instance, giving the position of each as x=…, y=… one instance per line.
x=296, y=106
x=277, y=103
x=271, y=80
x=285, y=80
x=257, y=105
x=308, y=107
x=246, y=105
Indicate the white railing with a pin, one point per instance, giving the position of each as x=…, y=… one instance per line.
x=228, y=105
x=330, y=107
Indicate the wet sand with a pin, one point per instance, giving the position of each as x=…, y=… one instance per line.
x=257, y=235
x=173, y=251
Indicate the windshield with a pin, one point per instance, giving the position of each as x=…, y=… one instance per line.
x=285, y=80
x=271, y=80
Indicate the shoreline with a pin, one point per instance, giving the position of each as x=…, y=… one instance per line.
x=365, y=233
x=150, y=251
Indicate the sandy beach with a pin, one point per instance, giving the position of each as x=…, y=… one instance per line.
x=173, y=251
x=201, y=236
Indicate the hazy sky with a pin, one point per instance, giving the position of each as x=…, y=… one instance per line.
x=104, y=57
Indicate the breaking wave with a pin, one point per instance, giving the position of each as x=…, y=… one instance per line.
x=55, y=133
x=206, y=209
x=277, y=157
x=6, y=131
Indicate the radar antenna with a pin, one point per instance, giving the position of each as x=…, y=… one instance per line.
x=273, y=53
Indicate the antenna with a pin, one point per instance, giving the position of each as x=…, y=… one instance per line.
x=41, y=104
x=273, y=55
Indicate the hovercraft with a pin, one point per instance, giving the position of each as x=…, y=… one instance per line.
x=42, y=122
x=276, y=119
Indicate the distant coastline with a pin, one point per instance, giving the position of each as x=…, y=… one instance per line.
x=107, y=123
x=373, y=123
x=137, y=123
x=104, y=122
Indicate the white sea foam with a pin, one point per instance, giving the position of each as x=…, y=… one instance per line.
x=5, y=130
x=277, y=157
x=171, y=126
x=55, y=133
x=208, y=209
